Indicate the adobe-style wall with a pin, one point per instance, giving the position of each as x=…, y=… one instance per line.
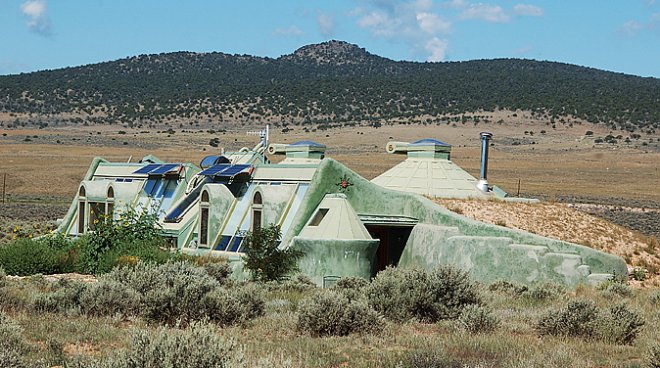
x=475, y=245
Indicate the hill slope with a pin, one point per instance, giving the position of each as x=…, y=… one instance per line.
x=332, y=82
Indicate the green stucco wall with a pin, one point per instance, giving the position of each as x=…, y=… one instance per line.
x=336, y=257
x=368, y=198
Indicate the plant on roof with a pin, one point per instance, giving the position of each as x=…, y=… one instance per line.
x=263, y=257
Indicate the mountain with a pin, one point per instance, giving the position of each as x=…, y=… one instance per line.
x=329, y=83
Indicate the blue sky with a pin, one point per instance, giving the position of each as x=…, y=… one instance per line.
x=616, y=35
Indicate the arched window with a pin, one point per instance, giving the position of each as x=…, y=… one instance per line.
x=110, y=204
x=257, y=207
x=204, y=220
x=81, y=210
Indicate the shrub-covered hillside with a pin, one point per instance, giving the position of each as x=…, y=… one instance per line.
x=329, y=83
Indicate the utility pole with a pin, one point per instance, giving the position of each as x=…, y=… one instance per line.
x=4, y=185
x=518, y=195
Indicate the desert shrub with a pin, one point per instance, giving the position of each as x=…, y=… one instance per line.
x=476, y=319
x=108, y=298
x=429, y=359
x=3, y=277
x=264, y=259
x=234, y=306
x=175, y=296
x=403, y=294
x=653, y=356
x=12, y=346
x=620, y=325
x=28, y=257
x=194, y=347
x=654, y=297
x=507, y=287
x=329, y=313
x=544, y=291
x=65, y=298
x=352, y=287
x=298, y=282
x=141, y=277
x=218, y=271
x=616, y=288
x=638, y=274
x=578, y=318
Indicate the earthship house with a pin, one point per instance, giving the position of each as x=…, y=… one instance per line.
x=344, y=224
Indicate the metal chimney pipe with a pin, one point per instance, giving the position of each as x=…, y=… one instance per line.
x=483, y=180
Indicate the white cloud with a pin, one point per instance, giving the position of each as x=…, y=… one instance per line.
x=433, y=23
x=631, y=28
x=490, y=13
x=326, y=24
x=529, y=10
x=524, y=50
x=457, y=3
x=437, y=49
x=292, y=31
x=36, y=10
x=416, y=23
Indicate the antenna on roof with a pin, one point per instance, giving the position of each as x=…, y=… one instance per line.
x=265, y=138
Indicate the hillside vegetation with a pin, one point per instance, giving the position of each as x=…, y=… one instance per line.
x=333, y=83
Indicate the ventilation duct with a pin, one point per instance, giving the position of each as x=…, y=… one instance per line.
x=483, y=179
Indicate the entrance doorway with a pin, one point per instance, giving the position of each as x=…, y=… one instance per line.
x=392, y=241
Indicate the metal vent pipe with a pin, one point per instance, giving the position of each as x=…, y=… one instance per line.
x=483, y=180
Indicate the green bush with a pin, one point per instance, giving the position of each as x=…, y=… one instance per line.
x=620, y=325
x=234, y=306
x=25, y=257
x=578, y=318
x=132, y=231
x=264, y=259
x=653, y=357
x=477, y=319
x=428, y=296
x=129, y=253
x=329, y=313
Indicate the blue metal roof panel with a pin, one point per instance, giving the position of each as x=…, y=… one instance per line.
x=429, y=141
x=308, y=143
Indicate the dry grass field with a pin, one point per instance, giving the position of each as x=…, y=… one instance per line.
x=560, y=163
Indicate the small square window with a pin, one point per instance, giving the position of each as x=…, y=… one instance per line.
x=318, y=216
